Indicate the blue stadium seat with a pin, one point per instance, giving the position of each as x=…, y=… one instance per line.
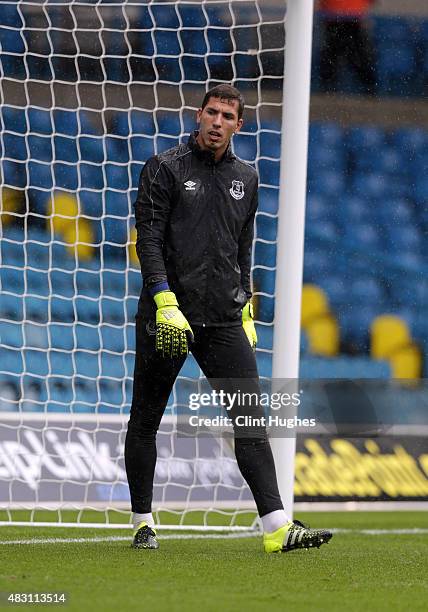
x=14, y=173
x=404, y=238
x=65, y=122
x=245, y=147
x=336, y=289
x=87, y=337
x=268, y=200
x=88, y=123
x=330, y=135
x=40, y=175
x=11, y=306
x=142, y=123
x=112, y=338
x=40, y=121
x=92, y=201
x=36, y=308
x=365, y=138
x=14, y=119
x=66, y=149
x=86, y=364
x=164, y=143
x=91, y=176
x=266, y=227
x=61, y=363
x=40, y=148
x=11, y=40
x=91, y=149
x=62, y=283
x=371, y=185
x=112, y=310
x=11, y=361
x=264, y=254
x=141, y=148
x=268, y=172
x=15, y=146
x=194, y=68
x=36, y=362
x=270, y=142
x=87, y=310
x=113, y=283
x=11, y=334
x=328, y=183
x=66, y=176
x=37, y=282
x=112, y=366
x=116, y=150
x=12, y=280
x=61, y=336
x=366, y=290
x=396, y=68
x=62, y=309
x=192, y=16
x=117, y=178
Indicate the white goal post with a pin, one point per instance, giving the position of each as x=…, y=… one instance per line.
x=88, y=92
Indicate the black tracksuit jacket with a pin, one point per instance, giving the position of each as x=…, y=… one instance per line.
x=195, y=222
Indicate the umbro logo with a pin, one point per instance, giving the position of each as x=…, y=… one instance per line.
x=190, y=185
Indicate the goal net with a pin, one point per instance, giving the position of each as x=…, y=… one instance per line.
x=89, y=91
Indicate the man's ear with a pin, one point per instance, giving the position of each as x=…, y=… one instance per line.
x=198, y=115
x=240, y=124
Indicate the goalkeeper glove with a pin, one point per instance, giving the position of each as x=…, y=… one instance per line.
x=173, y=332
x=248, y=324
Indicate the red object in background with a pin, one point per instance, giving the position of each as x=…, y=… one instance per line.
x=356, y=8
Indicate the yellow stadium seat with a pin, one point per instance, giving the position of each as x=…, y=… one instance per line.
x=63, y=209
x=10, y=204
x=79, y=237
x=314, y=303
x=132, y=252
x=406, y=362
x=387, y=334
x=323, y=336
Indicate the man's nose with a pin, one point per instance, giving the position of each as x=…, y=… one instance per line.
x=217, y=120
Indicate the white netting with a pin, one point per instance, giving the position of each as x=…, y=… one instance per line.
x=89, y=91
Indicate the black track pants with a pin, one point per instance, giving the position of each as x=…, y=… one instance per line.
x=222, y=353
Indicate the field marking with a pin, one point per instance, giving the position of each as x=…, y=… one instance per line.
x=182, y=536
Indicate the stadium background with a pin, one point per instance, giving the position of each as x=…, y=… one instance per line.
x=86, y=100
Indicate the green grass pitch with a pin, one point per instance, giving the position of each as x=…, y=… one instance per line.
x=355, y=571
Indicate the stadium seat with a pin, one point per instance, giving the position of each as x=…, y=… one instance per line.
x=40, y=148
x=322, y=333
x=15, y=147
x=87, y=337
x=314, y=304
x=91, y=149
x=141, y=148
x=65, y=122
x=11, y=334
x=91, y=176
x=11, y=361
x=40, y=121
x=40, y=175
x=65, y=149
x=388, y=333
x=61, y=336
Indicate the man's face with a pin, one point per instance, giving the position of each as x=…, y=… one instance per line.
x=218, y=121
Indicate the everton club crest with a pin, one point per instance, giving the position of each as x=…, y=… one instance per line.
x=237, y=190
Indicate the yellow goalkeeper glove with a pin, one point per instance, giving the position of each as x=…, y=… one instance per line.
x=173, y=332
x=248, y=324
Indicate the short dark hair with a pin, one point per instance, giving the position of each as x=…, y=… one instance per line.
x=225, y=92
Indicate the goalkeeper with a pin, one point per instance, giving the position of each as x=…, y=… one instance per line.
x=195, y=213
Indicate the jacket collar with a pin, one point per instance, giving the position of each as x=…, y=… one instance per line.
x=208, y=155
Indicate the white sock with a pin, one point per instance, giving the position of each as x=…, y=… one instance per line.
x=137, y=519
x=274, y=520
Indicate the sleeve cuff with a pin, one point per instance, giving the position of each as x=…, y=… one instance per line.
x=158, y=287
